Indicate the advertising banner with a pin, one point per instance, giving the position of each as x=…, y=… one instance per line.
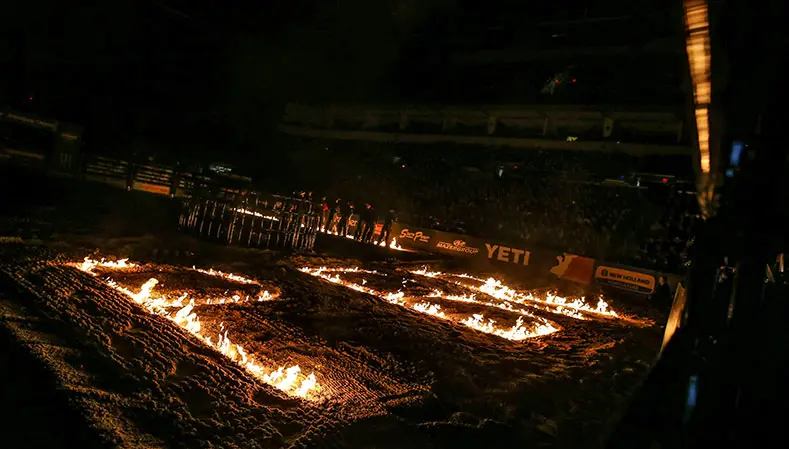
x=574, y=268
x=457, y=244
x=414, y=238
x=507, y=254
x=502, y=256
x=626, y=278
x=434, y=241
x=513, y=258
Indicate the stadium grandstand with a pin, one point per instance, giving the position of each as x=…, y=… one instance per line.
x=572, y=134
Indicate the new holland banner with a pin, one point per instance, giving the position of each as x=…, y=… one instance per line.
x=626, y=278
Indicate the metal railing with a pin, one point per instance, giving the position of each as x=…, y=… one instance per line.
x=252, y=221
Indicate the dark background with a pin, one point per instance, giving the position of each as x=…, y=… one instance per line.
x=201, y=78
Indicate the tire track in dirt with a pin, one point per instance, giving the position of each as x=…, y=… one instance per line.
x=212, y=403
x=166, y=386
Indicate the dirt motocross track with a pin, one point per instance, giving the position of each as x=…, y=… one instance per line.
x=388, y=376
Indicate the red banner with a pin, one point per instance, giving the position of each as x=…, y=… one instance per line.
x=574, y=268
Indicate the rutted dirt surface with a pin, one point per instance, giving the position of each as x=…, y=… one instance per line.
x=392, y=377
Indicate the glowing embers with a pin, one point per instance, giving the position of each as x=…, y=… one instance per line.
x=263, y=295
x=503, y=305
x=349, y=270
x=89, y=264
x=229, y=276
x=430, y=309
x=392, y=245
x=181, y=311
x=539, y=326
x=517, y=332
x=573, y=307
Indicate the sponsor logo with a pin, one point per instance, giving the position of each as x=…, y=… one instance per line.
x=563, y=263
x=457, y=246
x=507, y=254
x=415, y=236
x=574, y=268
x=630, y=280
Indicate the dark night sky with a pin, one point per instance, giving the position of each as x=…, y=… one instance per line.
x=202, y=76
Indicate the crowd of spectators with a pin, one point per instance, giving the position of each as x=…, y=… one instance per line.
x=549, y=200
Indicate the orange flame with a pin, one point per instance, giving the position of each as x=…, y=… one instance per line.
x=89, y=264
x=288, y=379
x=518, y=332
x=392, y=245
x=572, y=307
x=430, y=309
x=228, y=276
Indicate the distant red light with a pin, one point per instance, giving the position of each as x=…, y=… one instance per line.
x=664, y=180
x=574, y=80
x=514, y=166
x=557, y=81
x=31, y=98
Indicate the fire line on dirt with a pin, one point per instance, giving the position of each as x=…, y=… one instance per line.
x=518, y=331
x=486, y=293
x=289, y=379
x=494, y=294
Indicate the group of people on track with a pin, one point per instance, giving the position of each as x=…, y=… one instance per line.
x=338, y=218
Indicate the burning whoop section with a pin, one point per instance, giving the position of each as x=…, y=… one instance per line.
x=158, y=355
x=485, y=296
x=575, y=307
x=180, y=311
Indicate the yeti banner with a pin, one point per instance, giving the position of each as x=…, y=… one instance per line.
x=502, y=256
x=509, y=257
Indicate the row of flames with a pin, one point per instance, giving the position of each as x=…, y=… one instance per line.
x=572, y=307
x=289, y=379
x=541, y=326
x=392, y=245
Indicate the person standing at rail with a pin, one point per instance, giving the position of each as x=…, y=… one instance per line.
x=358, y=234
x=345, y=214
x=662, y=298
x=370, y=221
x=324, y=217
x=292, y=210
x=334, y=223
x=334, y=217
x=386, y=230
x=361, y=223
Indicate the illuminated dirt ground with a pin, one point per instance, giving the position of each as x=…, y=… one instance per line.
x=286, y=354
